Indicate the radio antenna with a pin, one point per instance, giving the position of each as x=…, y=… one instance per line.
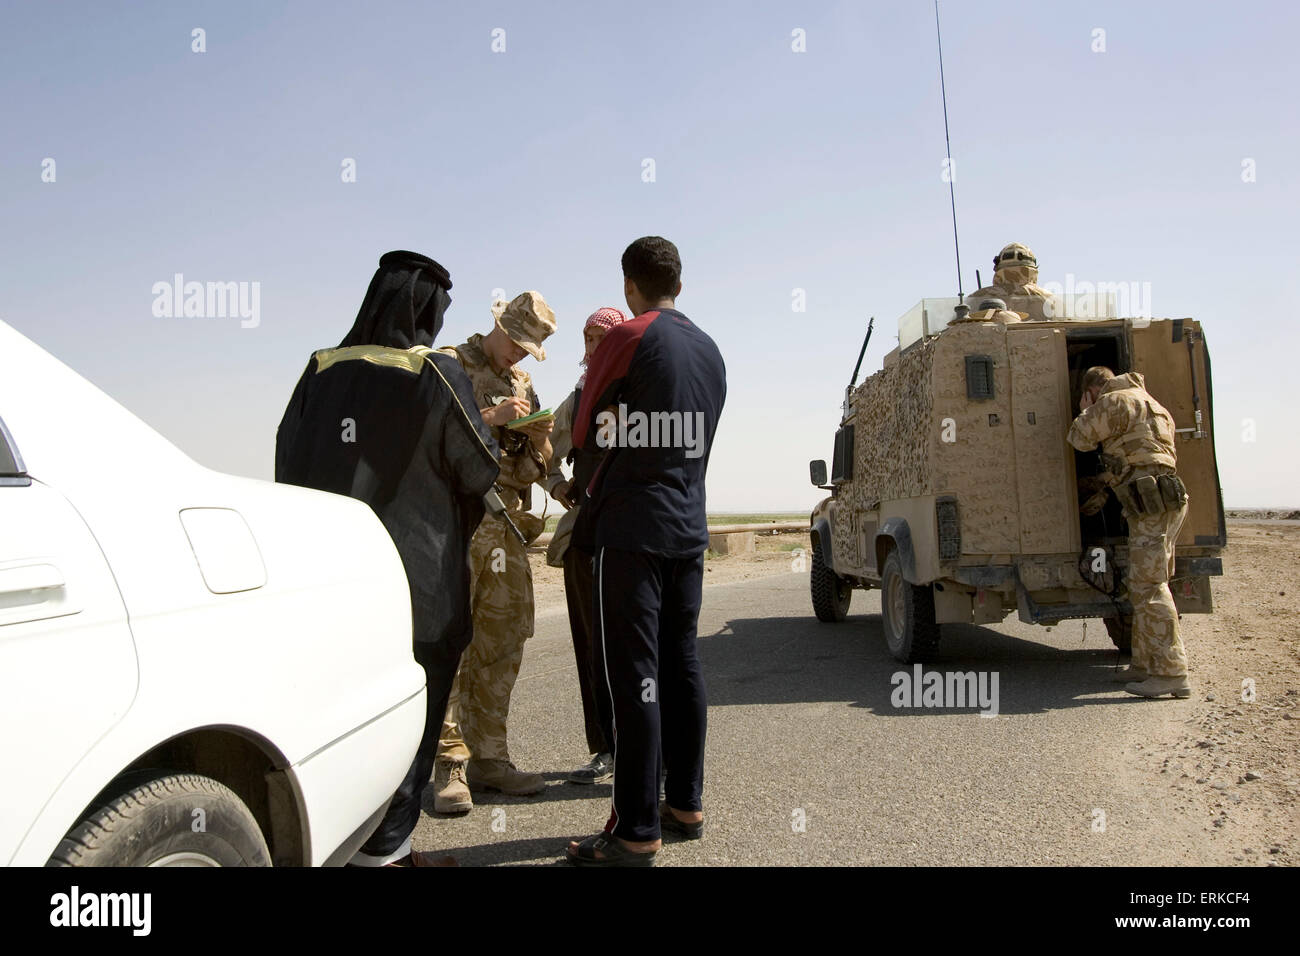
x=952, y=196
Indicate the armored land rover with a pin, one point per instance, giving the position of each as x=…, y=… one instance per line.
x=953, y=490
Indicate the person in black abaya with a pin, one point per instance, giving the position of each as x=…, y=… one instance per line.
x=385, y=420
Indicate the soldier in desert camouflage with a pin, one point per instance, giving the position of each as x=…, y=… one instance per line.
x=474, y=733
x=1015, y=277
x=1136, y=435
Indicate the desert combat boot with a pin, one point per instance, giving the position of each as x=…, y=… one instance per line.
x=450, y=789
x=504, y=776
x=1159, y=686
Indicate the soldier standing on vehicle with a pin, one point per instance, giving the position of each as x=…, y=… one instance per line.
x=1015, y=274
x=474, y=732
x=1136, y=435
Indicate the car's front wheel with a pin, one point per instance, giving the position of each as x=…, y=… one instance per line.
x=168, y=820
x=831, y=594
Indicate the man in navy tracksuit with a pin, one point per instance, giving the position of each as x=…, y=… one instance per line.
x=654, y=392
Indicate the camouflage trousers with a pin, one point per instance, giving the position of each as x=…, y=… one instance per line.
x=502, y=602
x=1157, y=646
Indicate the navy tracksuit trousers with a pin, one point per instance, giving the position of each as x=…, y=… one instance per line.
x=646, y=610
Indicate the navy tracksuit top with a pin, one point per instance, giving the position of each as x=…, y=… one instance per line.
x=666, y=383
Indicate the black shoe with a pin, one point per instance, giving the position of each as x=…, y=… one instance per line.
x=600, y=769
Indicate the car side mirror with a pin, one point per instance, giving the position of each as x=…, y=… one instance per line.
x=817, y=472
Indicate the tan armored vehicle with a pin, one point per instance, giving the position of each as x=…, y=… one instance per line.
x=953, y=489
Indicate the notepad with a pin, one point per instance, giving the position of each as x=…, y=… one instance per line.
x=545, y=415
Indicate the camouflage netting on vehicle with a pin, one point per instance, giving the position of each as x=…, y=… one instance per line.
x=893, y=422
x=893, y=425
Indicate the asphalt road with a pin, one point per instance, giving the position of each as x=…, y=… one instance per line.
x=808, y=762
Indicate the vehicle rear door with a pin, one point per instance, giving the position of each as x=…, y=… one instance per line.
x=1172, y=356
x=1040, y=419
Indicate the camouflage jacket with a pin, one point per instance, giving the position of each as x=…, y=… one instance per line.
x=1016, y=286
x=1135, y=431
x=521, y=463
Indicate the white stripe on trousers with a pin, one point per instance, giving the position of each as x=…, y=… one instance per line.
x=604, y=659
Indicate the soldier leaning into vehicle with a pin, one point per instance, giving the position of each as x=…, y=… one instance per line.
x=1136, y=435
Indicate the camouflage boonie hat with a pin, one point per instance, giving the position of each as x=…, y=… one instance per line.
x=528, y=320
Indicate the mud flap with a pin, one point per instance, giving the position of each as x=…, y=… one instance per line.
x=1192, y=595
x=987, y=608
x=951, y=605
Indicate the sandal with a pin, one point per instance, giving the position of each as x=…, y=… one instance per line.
x=614, y=853
x=669, y=823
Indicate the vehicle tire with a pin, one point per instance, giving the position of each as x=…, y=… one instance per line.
x=1120, y=630
x=831, y=594
x=169, y=820
x=907, y=614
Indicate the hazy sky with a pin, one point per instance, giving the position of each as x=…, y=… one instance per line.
x=774, y=170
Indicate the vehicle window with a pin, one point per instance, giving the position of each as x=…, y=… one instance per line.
x=12, y=470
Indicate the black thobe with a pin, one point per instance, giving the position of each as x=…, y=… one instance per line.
x=383, y=420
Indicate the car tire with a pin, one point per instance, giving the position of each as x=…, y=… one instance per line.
x=831, y=594
x=1120, y=629
x=168, y=820
x=906, y=614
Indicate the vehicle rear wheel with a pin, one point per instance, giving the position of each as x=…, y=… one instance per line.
x=831, y=594
x=907, y=614
x=1120, y=629
x=169, y=820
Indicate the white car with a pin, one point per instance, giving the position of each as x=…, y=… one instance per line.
x=195, y=668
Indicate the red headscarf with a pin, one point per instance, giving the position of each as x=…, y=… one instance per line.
x=605, y=318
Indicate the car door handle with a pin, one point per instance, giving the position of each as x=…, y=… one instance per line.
x=30, y=577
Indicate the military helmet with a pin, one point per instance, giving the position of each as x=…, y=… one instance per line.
x=1015, y=254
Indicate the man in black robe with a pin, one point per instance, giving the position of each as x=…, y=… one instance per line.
x=385, y=420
